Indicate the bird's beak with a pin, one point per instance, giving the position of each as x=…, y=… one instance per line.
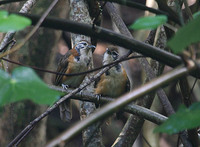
x=115, y=57
x=91, y=47
x=108, y=51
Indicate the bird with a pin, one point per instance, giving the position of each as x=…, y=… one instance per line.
x=74, y=61
x=114, y=82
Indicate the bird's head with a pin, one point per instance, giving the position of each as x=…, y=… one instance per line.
x=83, y=47
x=110, y=55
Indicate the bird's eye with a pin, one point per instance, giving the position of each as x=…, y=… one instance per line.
x=115, y=53
x=79, y=46
x=84, y=43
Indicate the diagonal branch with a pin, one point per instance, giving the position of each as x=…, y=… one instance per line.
x=112, y=37
x=92, y=135
x=171, y=14
x=121, y=102
x=132, y=128
x=32, y=124
x=130, y=108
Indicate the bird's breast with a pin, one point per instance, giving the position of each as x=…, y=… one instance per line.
x=74, y=66
x=112, y=85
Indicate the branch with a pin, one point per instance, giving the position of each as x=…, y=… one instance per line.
x=25, y=9
x=50, y=109
x=185, y=91
x=130, y=108
x=134, y=123
x=178, y=73
x=32, y=124
x=9, y=1
x=172, y=15
x=134, y=127
x=92, y=135
x=121, y=102
x=163, y=6
x=73, y=74
x=110, y=36
x=30, y=34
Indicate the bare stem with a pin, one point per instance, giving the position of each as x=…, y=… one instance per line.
x=119, y=103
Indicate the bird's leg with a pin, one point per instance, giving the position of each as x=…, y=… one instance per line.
x=98, y=96
x=81, y=93
x=65, y=86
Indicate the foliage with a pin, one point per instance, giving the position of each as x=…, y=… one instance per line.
x=185, y=36
x=150, y=22
x=12, y=22
x=185, y=118
x=197, y=14
x=25, y=84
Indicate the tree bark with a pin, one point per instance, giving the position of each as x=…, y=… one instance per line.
x=36, y=52
x=91, y=136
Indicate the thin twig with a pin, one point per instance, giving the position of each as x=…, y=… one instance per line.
x=9, y=36
x=134, y=123
x=50, y=109
x=172, y=16
x=79, y=13
x=29, y=35
x=131, y=108
x=185, y=91
x=145, y=140
x=20, y=140
x=150, y=74
x=191, y=91
x=122, y=101
x=164, y=7
x=112, y=37
x=134, y=126
x=73, y=74
x=187, y=9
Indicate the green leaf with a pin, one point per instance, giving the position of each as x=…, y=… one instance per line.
x=188, y=34
x=184, y=118
x=150, y=22
x=3, y=14
x=197, y=14
x=25, y=84
x=12, y=22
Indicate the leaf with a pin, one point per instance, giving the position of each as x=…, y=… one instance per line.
x=188, y=34
x=3, y=14
x=12, y=22
x=197, y=14
x=150, y=22
x=25, y=84
x=184, y=118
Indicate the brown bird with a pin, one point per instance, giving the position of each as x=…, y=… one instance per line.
x=114, y=82
x=74, y=61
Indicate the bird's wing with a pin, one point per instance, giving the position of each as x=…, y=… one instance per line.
x=62, y=67
x=127, y=85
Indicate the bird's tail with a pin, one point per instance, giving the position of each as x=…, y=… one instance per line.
x=66, y=111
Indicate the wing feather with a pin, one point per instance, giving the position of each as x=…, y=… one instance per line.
x=62, y=67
